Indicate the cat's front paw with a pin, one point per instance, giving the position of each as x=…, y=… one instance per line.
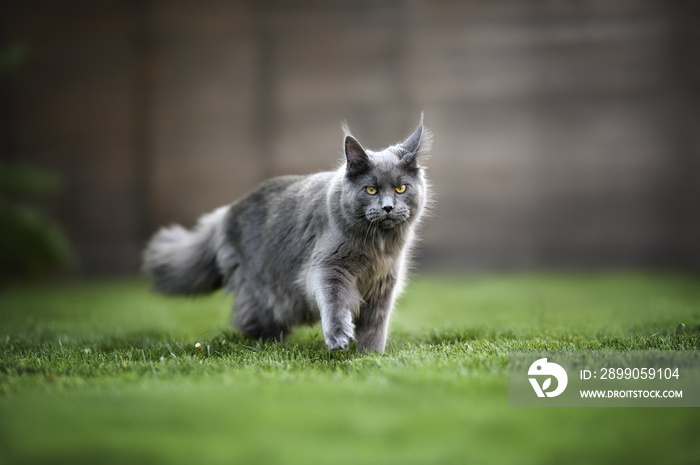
x=339, y=338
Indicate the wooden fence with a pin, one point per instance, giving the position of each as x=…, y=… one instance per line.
x=566, y=133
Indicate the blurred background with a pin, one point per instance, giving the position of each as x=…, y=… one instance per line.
x=566, y=132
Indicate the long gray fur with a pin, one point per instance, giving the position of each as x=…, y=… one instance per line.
x=303, y=248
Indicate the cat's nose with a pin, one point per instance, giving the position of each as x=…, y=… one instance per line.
x=387, y=208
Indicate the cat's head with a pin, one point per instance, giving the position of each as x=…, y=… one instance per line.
x=386, y=188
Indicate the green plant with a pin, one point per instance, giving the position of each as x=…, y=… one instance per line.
x=30, y=242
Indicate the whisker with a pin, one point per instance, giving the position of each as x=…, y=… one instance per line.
x=374, y=236
x=369, y=228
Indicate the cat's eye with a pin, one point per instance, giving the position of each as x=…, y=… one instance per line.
x=401, y=189
x=371, y=190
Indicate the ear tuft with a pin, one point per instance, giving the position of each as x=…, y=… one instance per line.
x=417, y=146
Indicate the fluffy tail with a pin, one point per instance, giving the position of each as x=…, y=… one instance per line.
x=182, y=261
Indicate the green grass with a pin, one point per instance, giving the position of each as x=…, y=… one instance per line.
x=106, y=372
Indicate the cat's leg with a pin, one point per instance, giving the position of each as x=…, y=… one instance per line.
x=336, y=296
x=255, y=321
x=372, y=324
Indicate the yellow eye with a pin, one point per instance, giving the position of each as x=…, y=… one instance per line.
x=401, y=189
x=371, y=190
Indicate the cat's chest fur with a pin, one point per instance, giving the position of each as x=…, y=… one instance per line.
x=376, y=266
x=377, y=277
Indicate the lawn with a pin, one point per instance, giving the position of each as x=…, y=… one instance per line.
x=106, y=372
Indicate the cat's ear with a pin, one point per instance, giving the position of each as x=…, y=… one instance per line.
x=357, y=159
x=416, y=146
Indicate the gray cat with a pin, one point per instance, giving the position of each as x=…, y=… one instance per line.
x=332, y=246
